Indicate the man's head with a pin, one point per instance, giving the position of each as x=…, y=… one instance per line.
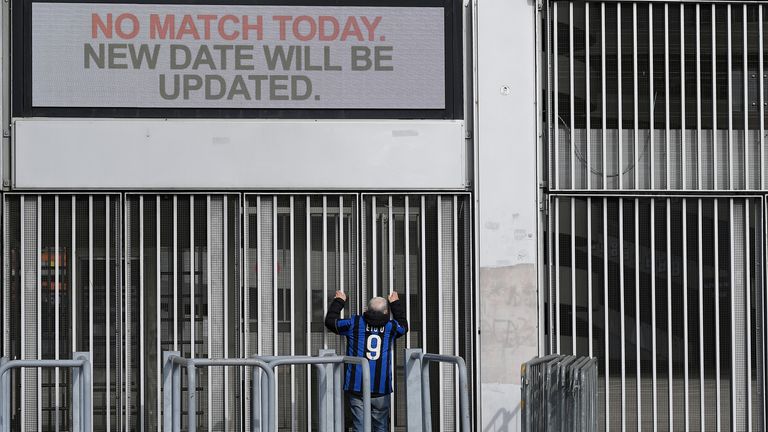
x=379, y=304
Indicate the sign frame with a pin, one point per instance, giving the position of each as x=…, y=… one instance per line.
x=21, y=66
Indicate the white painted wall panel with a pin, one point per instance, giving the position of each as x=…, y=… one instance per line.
x=222, y=154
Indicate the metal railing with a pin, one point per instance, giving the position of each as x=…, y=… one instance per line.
x=263, y=388
x=417, y=383
x=559, y=393
x=172, y=364
x=81, y=388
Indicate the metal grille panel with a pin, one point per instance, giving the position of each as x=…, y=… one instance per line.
x=665, y=293
x=657, y=96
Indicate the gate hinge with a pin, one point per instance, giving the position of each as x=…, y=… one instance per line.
x=6, y=133
x=544, y=206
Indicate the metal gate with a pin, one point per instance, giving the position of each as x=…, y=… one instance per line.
x=222, y=275
x=181, y=293
x=61, y=284
x=649, y=105
x=309, y=246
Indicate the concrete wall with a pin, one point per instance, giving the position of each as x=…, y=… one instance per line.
x=507, y=208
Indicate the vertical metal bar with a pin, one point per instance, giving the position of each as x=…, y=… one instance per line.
x=57, y=302
x=391, y=274
x=73, y=284
x=730, y=102
x=717, y=305
x=225, y=203
x=714, y=114
x=374, y=250
x=192, y=276
x=637, y=125
x=158, y=302
x=309, y=306
x=407, y=265
x=761, y=86
x=325, y=267
x=686, y=394
x=602, y=113
x=623, y=319
x=209, y=283
x=91, y=346
x=588, y=96
x=700, y=235
x=572, y=96
x=605, y=296
x=23, y=281
x=456, y=379
x=746, y=98
x=440, y=330
x=391, y=245
x=126, y=339
x=747, y=280
x=294, y=407
x=733, y=308
x=274, y=276
x=107, y=331
x=667, y=144
x=683, y=158
x=589, y=274
x=573, y=276
x=142, y=348
x=175, y=273
x=556, y=212
x=698, y=106
x=620, y=117
x=669, y=311
x=422, y=267
x=637, y=313
x=259, y=269
x=652, y=105
x=341, y=242
x=39, y=289
x=249, y=374
x=653, y=316
x=556, y=115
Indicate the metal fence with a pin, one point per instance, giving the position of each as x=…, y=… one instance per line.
x=559, y=393
x=82, y=389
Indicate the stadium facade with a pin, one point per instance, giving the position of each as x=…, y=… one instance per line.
x=533, y=177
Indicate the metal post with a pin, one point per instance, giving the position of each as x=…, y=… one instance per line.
x=267, y=403
x=77, y=392
x=426, y=400
x=326, y=388
x=338, y=398
x=413, y=389
x=322, y=399
x=176, y=401
x=168, y=391
x=256, y=414
x=86, y=404
x=191, y=397
x=5, y=394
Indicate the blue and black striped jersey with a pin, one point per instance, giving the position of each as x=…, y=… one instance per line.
x=374, y=342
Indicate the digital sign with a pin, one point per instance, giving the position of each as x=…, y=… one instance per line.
x=237, y=56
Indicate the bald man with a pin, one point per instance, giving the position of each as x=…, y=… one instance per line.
x=371, y=335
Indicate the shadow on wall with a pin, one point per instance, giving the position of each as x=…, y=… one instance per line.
x=501, y=408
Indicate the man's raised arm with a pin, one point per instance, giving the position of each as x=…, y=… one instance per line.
x=399, y=314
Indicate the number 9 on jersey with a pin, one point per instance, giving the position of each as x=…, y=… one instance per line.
x=373, y=347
